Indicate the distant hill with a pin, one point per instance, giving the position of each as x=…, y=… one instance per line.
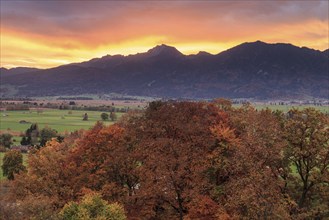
x=18, y=70
x=250, y=70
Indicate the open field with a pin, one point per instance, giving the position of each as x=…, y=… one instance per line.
x=61, y=120
x=71, y=120
x=1, y=161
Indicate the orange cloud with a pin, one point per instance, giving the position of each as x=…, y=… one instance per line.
x=48, y=34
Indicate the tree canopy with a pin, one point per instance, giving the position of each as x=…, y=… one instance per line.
x=188, y=160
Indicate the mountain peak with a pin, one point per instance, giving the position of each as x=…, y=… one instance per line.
x=258, y=42
x=203, y=53
x=164, y=50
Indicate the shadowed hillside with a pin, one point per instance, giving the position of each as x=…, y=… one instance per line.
x=250, y=70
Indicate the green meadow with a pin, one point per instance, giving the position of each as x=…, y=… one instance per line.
x=71, y=120
x=61, y=120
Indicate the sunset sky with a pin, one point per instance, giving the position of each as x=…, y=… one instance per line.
x=51, y=33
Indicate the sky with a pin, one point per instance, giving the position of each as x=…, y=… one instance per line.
x=50, y=33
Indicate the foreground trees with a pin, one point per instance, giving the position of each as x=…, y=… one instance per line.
x=184, y=160
x=307, y=153
x=174, y=141
x=250, y=183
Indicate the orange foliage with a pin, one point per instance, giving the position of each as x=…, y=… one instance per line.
x=189, y=160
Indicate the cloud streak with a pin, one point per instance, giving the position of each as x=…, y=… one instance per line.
x=83, y=29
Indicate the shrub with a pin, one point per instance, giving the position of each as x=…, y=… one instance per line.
x=6, y=140
x=92, y=207
x=105, y=116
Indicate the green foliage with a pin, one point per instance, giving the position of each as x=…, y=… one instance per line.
x=46, y=134
x=6, y=140
x=24, y=141
x=2, y=154
x=105, y=116
x=155, y=105
x=32, y=135
x=92, y=207
x=12, y=163
x=307, y=134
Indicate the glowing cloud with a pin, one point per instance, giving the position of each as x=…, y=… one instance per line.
x=51, y=33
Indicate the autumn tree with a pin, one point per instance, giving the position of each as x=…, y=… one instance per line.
x=223, y=104
x=307, y=153
x=48, y=175
x=174, y=139
x=97, y=161
x=247, y=172
x=12, y=164
x=105, y=163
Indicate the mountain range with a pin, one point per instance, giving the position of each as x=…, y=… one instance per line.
x=250, y=70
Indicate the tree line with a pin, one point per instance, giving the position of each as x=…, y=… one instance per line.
x=183, y=160
x=26, y=105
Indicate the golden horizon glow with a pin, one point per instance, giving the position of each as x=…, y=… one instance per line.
x=55, y=37
x=125, y=48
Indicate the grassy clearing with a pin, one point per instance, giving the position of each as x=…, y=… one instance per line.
x=60, y=120
x=1, y=161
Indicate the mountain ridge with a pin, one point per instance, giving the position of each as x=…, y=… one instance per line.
x=166, y=46
x=249, y=70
